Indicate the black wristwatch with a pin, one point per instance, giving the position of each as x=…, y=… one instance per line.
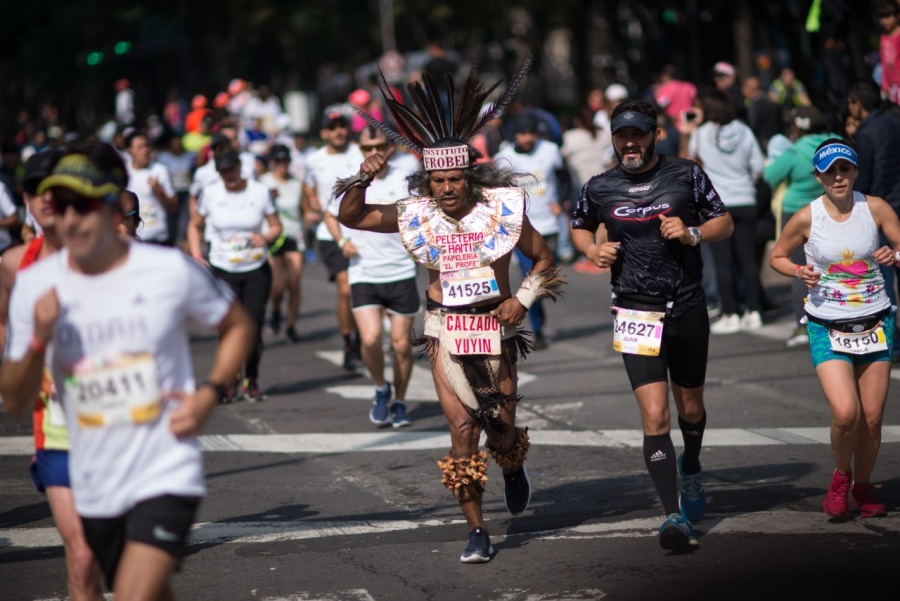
x=221, y=389
x=695, y=235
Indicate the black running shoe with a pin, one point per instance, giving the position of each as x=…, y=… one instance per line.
x=479, y=549
x=275, y=322
x=292, y=335
x=517, y=490
x=539, y=342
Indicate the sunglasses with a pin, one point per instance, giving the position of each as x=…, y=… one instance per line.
x=371, y=147
x=82, y=205
x=335, y=125
x=130, y=213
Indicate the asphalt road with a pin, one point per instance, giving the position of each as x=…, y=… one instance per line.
x=309, y=501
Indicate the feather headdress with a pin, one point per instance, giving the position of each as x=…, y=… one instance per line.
x=441, y=133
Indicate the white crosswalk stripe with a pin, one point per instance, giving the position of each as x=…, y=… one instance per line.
x=366, y=442
x=764, y=522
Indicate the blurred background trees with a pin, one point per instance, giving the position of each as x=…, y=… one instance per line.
x=68, y=54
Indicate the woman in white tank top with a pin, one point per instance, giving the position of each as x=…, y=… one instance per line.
x=850, y=319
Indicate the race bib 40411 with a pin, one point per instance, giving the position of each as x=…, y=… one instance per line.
x=637, y=332
x=125, y=389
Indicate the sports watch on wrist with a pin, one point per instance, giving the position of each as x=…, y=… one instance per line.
x=695, y=235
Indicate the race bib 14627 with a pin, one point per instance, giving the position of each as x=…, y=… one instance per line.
x=637, y=332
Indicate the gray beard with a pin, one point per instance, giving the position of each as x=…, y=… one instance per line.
x=638, y=164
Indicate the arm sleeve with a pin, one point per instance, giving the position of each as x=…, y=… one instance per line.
x=584, y=215
x=707, y=199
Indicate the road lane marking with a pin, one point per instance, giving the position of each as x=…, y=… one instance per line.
x=393, y=440
x=780, y=522
x=420, y=388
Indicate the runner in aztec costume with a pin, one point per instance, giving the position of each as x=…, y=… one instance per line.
x=463, y=222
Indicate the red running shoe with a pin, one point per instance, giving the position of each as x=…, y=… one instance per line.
x=836, y=503
x=865, y=501
x=586, y=266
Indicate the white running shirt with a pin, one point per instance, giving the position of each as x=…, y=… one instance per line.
x=542, y=189
x=323, y=169
x=231, y=218
x=119, y=327
x=154, y=228
x=382, y=258
x=288, y=204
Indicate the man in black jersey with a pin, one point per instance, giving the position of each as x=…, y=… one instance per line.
x=657, y=209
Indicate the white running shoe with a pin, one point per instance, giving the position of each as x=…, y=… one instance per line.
x=751, y=320
x=727, y=324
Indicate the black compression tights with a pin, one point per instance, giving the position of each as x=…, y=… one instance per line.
x=252, y=290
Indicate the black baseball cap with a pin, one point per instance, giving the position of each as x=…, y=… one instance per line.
x=280, y=152
x=526, y=122
x=644, y=123
x=37, y=167
x=228, y=159
x=218, y=140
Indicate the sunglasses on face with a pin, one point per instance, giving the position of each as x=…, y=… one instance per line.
x=336, y=125
x=371, y=147
x=82, y=205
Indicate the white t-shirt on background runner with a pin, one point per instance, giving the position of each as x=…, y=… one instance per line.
x=288, y=204
x=153, y=213
x=7, y=208
x=120, y=342
x=323, y=169
x=542, y=162
x=231, y=218
x=382, y=257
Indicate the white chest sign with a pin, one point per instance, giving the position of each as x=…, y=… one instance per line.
x=863, y=343
x=637, y=332
x=125, y=390
x=471, y=334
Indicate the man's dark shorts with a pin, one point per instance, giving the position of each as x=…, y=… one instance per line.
x=682, y=356
x=162, y=522
x=333, y=258
x=397, y=298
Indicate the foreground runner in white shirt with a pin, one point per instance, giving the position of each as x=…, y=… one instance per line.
x=109, y=317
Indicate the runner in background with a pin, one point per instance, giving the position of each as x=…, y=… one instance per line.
x=286, y=253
